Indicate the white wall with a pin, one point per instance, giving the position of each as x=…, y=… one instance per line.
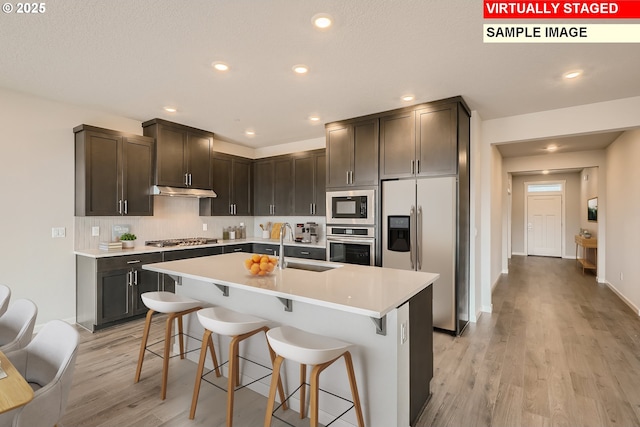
x=623, y=217
x=588, y=190
x=37, y=167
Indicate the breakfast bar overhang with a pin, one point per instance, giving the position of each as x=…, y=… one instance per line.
x=386, y=314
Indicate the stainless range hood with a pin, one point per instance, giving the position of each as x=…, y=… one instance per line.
x=161, y=190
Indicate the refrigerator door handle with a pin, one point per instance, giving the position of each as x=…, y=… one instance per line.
x=412, y=238
x=419, y=240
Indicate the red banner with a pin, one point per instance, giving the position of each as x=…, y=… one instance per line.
x=518, y=9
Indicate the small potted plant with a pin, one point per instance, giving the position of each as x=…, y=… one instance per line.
x=128, y=240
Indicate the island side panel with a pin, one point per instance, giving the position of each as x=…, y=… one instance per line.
x=421, y=351
x=377, y=359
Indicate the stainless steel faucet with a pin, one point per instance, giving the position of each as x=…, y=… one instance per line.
x=282, y=264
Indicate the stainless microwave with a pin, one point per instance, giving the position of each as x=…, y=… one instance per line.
x=351, y=207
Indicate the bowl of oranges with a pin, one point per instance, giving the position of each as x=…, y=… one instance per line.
x=260, y=265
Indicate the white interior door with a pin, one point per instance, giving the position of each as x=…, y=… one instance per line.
x=544, y=225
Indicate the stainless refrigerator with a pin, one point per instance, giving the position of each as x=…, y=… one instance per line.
x=420, y=231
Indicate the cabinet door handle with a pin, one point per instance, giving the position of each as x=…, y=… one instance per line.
x=311, y=208
x=417, y=166
x=304, y=253
x=120, y=206
x=412, y=167
x=351, y=177
x=230, y=209
x=126, y=207
x=235, y=209
x=268, y=250
x=186, y=179
x=129, y=279
x=237, y=250
x=348, y=177
x=190, y=180
x=135, y=261
x=135, y=277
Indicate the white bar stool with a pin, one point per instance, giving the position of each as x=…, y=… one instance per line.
x=309, y=349
x=238, y=326
x=175, y=306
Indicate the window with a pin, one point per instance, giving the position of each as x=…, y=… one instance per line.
x=544, y=188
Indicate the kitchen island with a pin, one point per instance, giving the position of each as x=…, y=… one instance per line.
x=386, y=313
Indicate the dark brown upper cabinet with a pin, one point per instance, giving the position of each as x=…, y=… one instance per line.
x=113, y=173
x=352, y=153
x=232, y=183
x=309, y=181
x=419, y=142
x=183, y=154
x=273, y=186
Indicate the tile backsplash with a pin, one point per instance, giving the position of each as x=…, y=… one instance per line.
x=174, y=217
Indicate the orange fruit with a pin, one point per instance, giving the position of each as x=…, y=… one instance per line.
x=270, y=267
x=256, y=258
x=248, y=263
x=262, y=273
x=273, y=260
x=264, y=259
x=255, y=268
x=264, y=266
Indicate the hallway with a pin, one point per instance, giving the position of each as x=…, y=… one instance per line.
x=559, y=349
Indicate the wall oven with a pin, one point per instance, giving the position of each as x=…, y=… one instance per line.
x=351, y=245
x=351, y=207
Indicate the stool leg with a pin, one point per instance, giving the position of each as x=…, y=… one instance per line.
x=143, y=344
x=214, y=359
x=303, y=389
x=165, y=362
x=354, y=388
x=196, y=389
x=313, y=398
x=272, y=354
x=233, y=377
x=275, y=380
x=181, y=336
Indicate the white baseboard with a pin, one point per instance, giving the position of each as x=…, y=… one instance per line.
x=487, y=308
x=623, y=298
x=569, y=257
x=69, y=320
x=518, y=253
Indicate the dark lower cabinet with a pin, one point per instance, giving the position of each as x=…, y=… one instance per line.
x=319, y=254
x=108, y=289
x=167, y=283
x=265, y=248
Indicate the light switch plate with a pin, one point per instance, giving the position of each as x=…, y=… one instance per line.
x=95, y=231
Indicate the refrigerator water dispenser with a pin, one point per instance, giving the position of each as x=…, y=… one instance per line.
x=399, y=233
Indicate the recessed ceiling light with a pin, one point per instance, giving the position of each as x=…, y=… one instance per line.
x=314, y=118
x=552, y=148
x=220, y=66
x=408, y=98
x=249, y=132
x=545, y=172
x=322, y=21
x=170, y=109
x=300, y=69
x=572, y=74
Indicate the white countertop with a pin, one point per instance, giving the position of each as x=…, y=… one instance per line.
x=370, y=291
x=97, y=253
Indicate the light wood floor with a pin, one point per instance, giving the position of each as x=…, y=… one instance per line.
x=559, y=349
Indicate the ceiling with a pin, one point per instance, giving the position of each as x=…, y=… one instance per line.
x=132, y=58
x=595, y=141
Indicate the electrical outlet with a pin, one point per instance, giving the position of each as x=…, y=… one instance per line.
x=95, y=231
x=58, y=232
x=621, y=276
x=205, y=227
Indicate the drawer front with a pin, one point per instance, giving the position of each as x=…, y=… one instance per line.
x=308, y=253
x=263, y=248
x=244, y=247
x=127, y=261
x=192, y=253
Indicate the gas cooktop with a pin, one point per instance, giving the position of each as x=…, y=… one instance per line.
x=187, y=241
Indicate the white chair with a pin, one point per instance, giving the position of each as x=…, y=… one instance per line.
x=309, y=349
x=5, y=296
x=47, y=363
x=16, y=325
x=175, y=306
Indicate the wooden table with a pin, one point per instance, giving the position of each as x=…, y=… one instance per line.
x=587, y=244
x=14, y=390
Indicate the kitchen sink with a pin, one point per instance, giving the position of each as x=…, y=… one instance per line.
x=311, y=266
